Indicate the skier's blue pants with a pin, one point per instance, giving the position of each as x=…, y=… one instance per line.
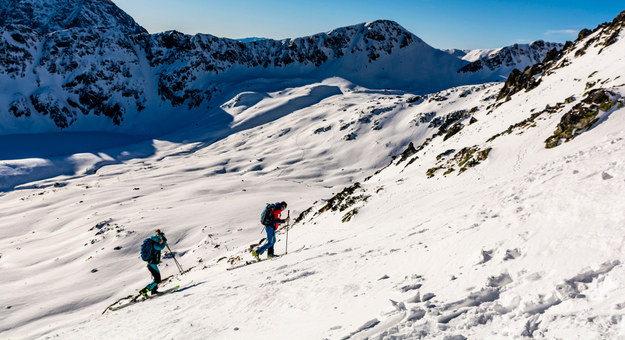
x=156, y=274
x=271, y=240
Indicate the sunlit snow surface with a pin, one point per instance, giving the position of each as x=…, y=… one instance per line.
x=527, y=243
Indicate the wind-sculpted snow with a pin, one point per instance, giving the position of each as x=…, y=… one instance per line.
x=274, y=110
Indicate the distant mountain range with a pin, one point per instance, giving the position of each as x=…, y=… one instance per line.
x=86, y=65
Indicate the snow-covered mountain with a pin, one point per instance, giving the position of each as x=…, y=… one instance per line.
x=48, y=16
x=504, y=60
x=483, y=211
x=86, y=65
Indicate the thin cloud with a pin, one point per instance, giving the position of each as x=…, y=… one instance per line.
x=561, y=32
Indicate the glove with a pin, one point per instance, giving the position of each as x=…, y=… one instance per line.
x=287, y=219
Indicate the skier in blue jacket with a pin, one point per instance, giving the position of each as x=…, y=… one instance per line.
x=159, y=243
x=270, y=228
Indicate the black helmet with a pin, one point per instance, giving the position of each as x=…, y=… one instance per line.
x=283, y=203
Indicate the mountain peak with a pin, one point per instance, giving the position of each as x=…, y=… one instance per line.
x=383, y=23
x=46, y=16
x=383, y=34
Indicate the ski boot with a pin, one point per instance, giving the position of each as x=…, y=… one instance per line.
x=144, y=292
x=256, y=255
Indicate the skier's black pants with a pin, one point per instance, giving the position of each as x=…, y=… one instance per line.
x=156, y=274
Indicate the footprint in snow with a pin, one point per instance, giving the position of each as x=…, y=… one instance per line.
x=512, y=254
x=499, y=281
x=487, y=255
x=428, y=296
x=416, y=314
x=368, y=325
x=299, y=276
x=455, y=337
x=415, y=299
x=410, y=287
x=399, y=306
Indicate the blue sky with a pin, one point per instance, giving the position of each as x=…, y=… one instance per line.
x=443, y=24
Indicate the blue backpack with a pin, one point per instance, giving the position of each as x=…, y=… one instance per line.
x=266, y=218
x=147, y=249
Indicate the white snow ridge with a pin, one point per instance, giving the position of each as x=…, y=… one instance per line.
x=478, y=210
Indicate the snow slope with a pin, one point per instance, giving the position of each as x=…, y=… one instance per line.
x=475, y=230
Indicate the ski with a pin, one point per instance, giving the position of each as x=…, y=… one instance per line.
x=247, y=263
x=139, y=298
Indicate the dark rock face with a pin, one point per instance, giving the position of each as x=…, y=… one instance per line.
x=518, y=80
x=551, y=55
x=583, y=33
x=17, y=50
x=614, y=28
x=47, y=104
x=583, y=116
x=92, y=76
x=19, y=107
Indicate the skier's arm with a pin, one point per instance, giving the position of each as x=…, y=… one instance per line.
x=276, y=218
x=161, y=245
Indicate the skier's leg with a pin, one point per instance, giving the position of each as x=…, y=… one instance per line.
x=157, y=277
x=267, y=244
x=271, y=240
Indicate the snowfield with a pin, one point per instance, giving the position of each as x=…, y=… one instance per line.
x=438, y=216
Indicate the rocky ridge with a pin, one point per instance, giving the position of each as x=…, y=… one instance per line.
x=67, y=60
x=511, y=56
x=603, y=35
x=47, y=16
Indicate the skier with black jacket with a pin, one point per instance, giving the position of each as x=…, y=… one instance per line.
x=157, y=242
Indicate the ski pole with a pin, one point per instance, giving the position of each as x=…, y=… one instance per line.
x=288, y=217
x=174, y=257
